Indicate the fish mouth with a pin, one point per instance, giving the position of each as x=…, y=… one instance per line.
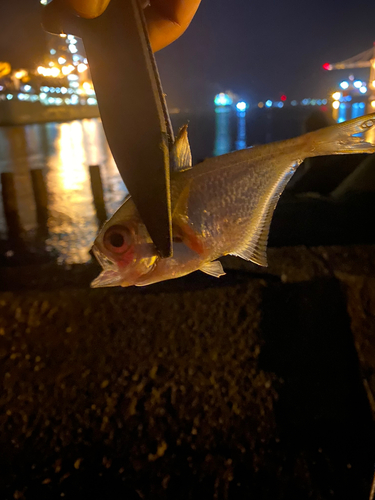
x=110, y=276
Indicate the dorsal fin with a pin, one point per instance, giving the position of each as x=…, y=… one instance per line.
x=180, y=154
x=256, y=250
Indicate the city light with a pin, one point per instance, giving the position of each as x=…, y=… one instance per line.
x=72, y=48
x=241, y=106
x=363, y=89
x=9, y=97
x=336, y=96
x=42, y=95
x=280, y=104
x=327, y=66
x=373, y=83
x=20, y=74
x=283, y=98
x=67, y=69
x=81, y=68
x=27, y=88
x=91, y=101
x=52, y=52
x=344, y=85
x=336, y=104
x=260, y=104
x=357, y=84
x=64, y=90
x=268, y=103
x=223, y=100
x=373, y=104
x=61, y=60
x=294, y=103
x=55, y=72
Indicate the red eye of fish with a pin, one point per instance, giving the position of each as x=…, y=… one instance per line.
x=117, y=239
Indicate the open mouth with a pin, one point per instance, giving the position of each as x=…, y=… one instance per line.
x=110, y=275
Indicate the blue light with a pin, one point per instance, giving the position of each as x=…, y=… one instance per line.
x=313, y=102
x=305, y=102
x=268, y=103
x=362, y=105
x=319, y=102
x=348, y=98
x=223, y=100
x=241, y=106
x=280, y=104
x=357, y=84
x=27, y=88
x=9, y=96
x=52, y=52
x=294, y=103
x=363, y=89
x=324, y=101
x=344, y=85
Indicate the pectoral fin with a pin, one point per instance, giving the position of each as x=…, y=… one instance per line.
x=213, y=269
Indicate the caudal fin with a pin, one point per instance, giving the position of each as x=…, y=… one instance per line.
x=341, y=138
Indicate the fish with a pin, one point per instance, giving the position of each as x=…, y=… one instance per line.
x=221, y=206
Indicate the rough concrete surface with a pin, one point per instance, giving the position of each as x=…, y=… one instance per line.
x=244, y=387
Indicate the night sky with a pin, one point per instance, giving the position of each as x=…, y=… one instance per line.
x=255, y=48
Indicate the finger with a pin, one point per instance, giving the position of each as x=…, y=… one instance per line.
x=168, y=19
x=89, y=8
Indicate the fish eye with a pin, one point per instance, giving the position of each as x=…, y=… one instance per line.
x=117, y=239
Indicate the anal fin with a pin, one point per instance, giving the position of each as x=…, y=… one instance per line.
x=256, y=250
x=213, y=269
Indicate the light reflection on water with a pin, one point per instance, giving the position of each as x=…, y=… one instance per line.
x=64, y=151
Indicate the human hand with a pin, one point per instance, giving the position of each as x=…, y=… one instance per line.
x=166, y=19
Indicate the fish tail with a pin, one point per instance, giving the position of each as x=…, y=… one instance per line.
x=345, y=138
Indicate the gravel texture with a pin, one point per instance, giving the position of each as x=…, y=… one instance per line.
x=243, y=387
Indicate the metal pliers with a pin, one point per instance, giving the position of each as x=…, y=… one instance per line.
x=131, y=104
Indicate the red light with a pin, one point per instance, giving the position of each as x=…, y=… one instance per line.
x=283, y=97
x=326, y=66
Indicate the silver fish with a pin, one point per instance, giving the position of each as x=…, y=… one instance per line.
x=221, y=206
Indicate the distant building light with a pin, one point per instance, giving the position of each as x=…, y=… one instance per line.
x=283, y=98
x=66, y=70
x=52, y=89
x=373, y=83
x=61, y=60
x=64, y=90
x=76, y=58
x=72, y=78
x=280, y=104
x=373, y=104
x=1, y=87
x=260, y=104
x=20, y=74
x=74, y=99
x=72, y=48
x=241, y=106
x=348, y=98
x=58, y=101
x=336, y=96
x=313, y=102
x=363, y=89
x=42, y=95
x=44, y=2
x=85, y=60
x=58, y=90
x=305, y=101
x=21, y=97
x=223, y=100
x=26, y=88
x=9, y=96
x=324, y=101
x=67, y=101
x=91, y=101
x=336, y=104
x=72, y=39
x=74, y=85
x=51, y=100
x=327, y=66
x=357, y=84
x=362, y=105
x=294, y=103
x=319, y=102
x=344, y=85
x=81, y=68
x=62, y=35
x=268, y=103
x=52, y=52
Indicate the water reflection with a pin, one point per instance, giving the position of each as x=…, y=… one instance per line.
x=64, y=151
x=223, y=142
x=241, y=130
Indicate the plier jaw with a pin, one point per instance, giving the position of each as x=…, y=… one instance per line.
x=131, y=104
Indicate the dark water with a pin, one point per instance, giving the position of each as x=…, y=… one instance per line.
x=65, y=150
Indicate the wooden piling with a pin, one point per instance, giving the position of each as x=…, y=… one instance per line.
x=40, y=195
x=9, y=198
x=98, y=194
